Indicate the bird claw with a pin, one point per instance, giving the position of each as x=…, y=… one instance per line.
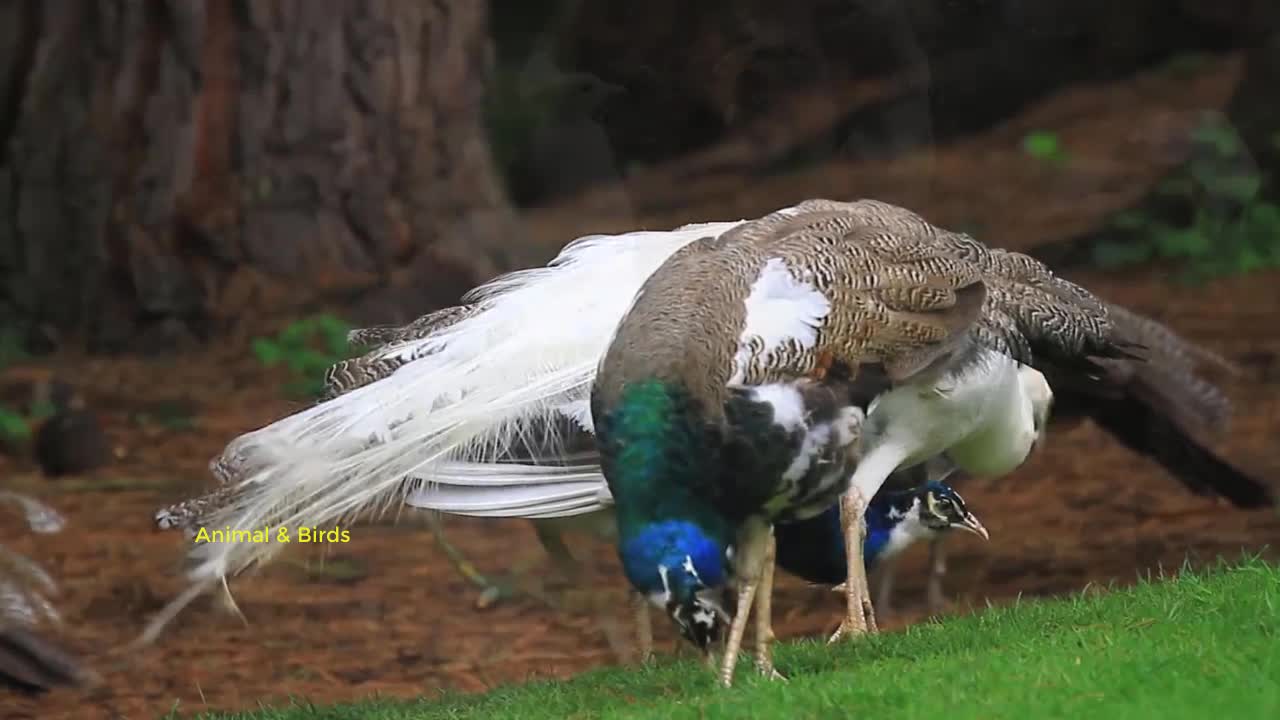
x=851, y=628
x=489, y=597
x=846, y=630
x=769, y=672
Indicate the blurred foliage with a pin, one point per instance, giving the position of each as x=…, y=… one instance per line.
x=528, y=91
x=12, y=348
x=15, y=427
x=307, y=348
x=1188, y=64
x=169, y=414
x=1045, y=146
x=1228, y=226
x=521, y=100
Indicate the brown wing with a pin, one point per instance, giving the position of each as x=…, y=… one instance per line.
x=33, y=664
x=903, y=294
x=894, y=306
x=1028, y=313
x=1165, y=409
x=28, y=661
x=893, y=302
x=348, y=375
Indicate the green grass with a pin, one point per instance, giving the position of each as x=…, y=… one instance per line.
x=1204, y=645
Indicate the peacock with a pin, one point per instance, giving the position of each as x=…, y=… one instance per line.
x=1163, y=408
x=850, y=340
x=762, y=374
x=29, y=662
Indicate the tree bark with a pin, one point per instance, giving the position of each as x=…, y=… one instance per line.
x=693, y=70
x=1254, y=110
x=179, y=164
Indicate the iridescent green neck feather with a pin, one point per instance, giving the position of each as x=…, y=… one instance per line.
x=657, y=451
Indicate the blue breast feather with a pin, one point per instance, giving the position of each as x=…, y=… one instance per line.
x=814, y=549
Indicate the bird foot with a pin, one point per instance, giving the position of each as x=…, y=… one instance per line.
x=769, y=672
x=491, y=596
x=848, y=629
x=937, y=604
x=856, y=625
x=938, y=609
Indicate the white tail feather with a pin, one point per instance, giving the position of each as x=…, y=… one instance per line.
x=492, y=383
x=515, y=491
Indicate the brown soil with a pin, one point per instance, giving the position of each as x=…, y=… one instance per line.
x=387, y=614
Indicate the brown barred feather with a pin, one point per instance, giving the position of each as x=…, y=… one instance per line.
x=348, y=375
x=904, y=294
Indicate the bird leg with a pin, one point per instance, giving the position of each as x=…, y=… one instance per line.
x=859, y=616
x=937, y=570
x=490, y=592
x=597, y=604
x=884, y=589
x=753, y=548
x=764, y=614
x=644, y=628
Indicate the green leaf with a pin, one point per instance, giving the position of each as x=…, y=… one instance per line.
x=12, y=347
x=1241, y=188
x=1266, y=218
x=1182, y=242
x=1221, y=137
x=1187, y=64
x=296, y=334
x=1249, y=260
x=306, y=361
x=1042, y=145
x=13, y=426
x=1129, y=220
x=1175, y=187
x=267, y=352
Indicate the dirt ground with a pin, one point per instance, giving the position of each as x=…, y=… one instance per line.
x=387, y=614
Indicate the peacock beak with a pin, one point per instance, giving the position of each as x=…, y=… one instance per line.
x=971, y=524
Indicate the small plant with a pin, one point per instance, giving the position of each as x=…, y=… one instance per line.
x=12, y=348
x=1187, y=65
x=1045, y=146
x=307, y=348
x=1229, y=228
x=14, y=427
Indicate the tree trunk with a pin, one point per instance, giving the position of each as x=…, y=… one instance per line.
x=1254, y=111
x=177, y=164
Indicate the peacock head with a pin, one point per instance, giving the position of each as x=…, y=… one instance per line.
x=684, y=570
x=941, y=508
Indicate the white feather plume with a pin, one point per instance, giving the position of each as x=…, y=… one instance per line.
x=490, y=384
